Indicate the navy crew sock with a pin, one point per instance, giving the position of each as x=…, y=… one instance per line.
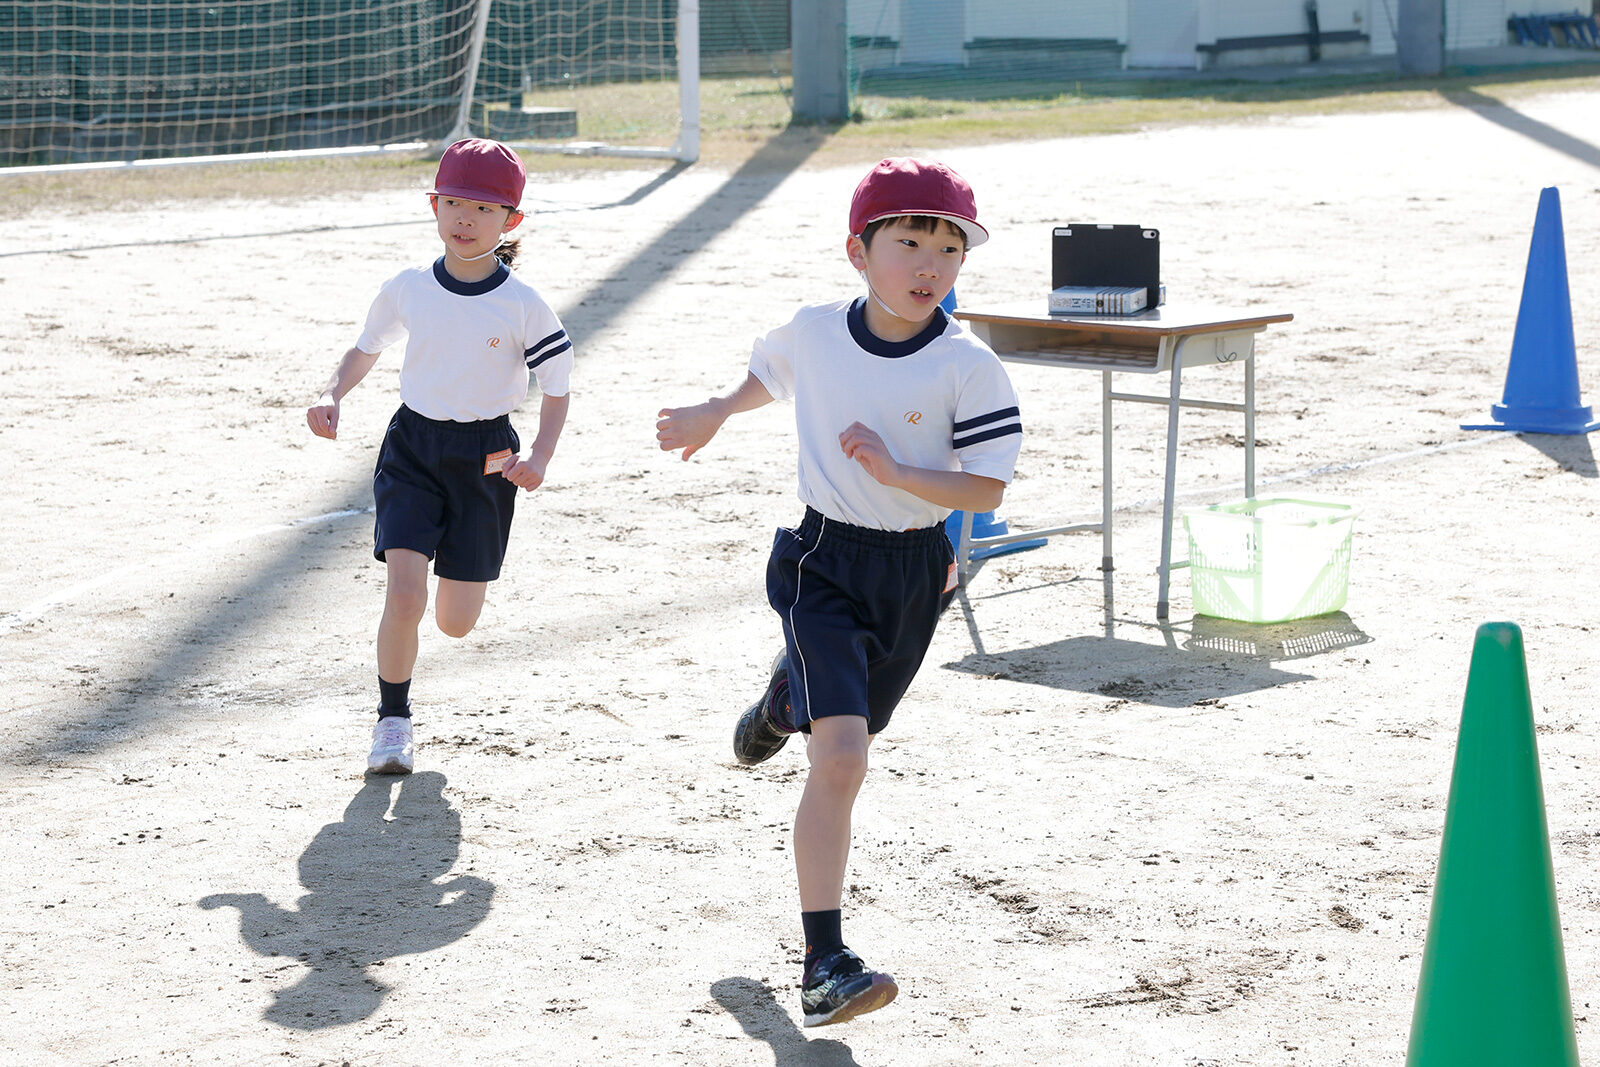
x=394, y=699
x=822, y=934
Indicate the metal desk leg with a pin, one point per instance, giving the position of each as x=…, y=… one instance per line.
x=964, y=549
x=1172, y=474
x=1105, y=471
x=1250, y=423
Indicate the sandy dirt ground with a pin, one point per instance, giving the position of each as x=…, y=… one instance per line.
x=1087, y=838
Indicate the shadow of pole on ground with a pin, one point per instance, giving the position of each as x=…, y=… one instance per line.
x=152, y=692
x=1507, y=117
x=755, y=180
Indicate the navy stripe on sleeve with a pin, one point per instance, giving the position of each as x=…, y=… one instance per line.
x=552, y=339
x=986, y=435
x=986, y=419
x=556, y=351
x=983, y=419
x=980, y=420
x=553, y=345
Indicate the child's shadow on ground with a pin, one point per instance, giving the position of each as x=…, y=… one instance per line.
x=753, y=1005
x=374, y=892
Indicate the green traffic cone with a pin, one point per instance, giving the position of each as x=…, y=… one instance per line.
x=1493, y=990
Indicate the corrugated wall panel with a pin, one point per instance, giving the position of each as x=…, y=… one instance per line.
x=1381, y=20
x=874, y=18
x=1474, y=23
x=1338, y=15
x=1094, y=19
x=1275, y=18
x=1162, y=33
x=1259, y=18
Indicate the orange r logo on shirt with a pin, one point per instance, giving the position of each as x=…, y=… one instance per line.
x=494, y=342
x=913, y=417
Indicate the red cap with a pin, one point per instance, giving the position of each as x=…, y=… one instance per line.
x=916, y=187
x=476, y=169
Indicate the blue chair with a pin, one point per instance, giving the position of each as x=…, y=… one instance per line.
x=1579, y=29
x=1539, y=27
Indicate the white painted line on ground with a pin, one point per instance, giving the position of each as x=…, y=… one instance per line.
x=40, y=608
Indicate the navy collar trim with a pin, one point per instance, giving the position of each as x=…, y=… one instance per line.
x=856, y=317
x=455, y=285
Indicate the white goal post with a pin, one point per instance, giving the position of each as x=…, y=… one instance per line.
x=100, y=84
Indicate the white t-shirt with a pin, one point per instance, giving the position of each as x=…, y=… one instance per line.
x=941, y=401
x=471, y=344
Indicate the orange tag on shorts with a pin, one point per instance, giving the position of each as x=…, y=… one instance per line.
x=495, y=462
x=951, y=578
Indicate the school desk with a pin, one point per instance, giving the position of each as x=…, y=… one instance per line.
x=1162, y=340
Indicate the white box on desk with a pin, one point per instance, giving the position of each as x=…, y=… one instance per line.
x=1090, y=300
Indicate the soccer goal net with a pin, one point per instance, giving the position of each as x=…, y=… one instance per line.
x=115, y=82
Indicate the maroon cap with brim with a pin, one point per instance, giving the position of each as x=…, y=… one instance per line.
x=903, y=186
x=476, y=169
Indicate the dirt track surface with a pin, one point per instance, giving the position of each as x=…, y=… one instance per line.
x=1087, y=838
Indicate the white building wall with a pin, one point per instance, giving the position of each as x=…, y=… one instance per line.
x=1257, y=18
x=1095, y=19
x=874, y=18
x=1162, y=33
x=1336, y=15
x=1276, y=18
x=1381, y=21
x=1475, y=23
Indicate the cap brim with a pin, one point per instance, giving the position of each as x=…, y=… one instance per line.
x=975, y=234
x=463, y=193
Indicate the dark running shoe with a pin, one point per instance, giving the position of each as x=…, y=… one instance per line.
x=760, y=733
x=839, y=987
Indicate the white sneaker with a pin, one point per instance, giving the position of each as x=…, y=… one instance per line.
x=391, y=746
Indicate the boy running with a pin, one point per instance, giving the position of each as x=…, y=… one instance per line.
x=903, y=416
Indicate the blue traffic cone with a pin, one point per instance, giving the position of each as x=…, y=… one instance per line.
x=1541, y=394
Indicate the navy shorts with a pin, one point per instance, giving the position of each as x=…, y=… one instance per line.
x=859, y=607
x=433, y=496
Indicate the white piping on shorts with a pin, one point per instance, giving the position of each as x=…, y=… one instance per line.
x=805, y=676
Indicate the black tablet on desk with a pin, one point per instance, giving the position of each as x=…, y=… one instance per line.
x=1101, y=255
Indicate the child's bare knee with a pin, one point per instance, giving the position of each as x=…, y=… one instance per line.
x=456, y=627
x=840, y=766
x=407, y=604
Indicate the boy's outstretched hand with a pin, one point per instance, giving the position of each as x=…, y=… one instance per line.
x=867, y=448
x=689, y=428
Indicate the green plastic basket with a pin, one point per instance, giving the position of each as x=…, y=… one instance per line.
x=1270, y=559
